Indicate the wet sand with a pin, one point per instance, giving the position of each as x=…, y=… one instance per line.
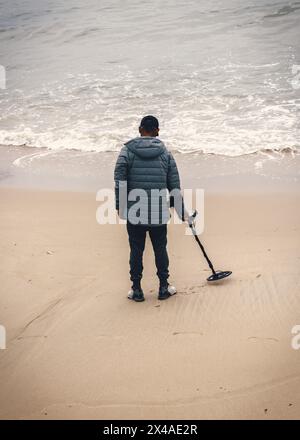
x=78, y=348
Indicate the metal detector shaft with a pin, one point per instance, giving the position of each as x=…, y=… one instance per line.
x=216, y=276
x=202, y=249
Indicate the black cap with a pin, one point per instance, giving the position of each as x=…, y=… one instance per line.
x=149, y=123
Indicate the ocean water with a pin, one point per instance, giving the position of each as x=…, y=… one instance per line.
x=222, y=76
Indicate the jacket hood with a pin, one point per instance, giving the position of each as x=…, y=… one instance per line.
x=146, y=147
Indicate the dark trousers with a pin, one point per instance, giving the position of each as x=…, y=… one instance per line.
x=137, y=238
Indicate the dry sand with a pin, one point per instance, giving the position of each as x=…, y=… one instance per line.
x=78, y=348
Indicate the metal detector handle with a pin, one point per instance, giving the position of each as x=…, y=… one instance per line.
x=191, y=219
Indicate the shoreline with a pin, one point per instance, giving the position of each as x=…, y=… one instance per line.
x=21, y=167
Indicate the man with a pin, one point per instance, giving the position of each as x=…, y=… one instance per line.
x=147, y=167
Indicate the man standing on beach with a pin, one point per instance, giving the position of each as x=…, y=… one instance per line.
x=147, y=167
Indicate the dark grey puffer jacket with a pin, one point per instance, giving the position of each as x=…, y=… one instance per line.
x=145, y=164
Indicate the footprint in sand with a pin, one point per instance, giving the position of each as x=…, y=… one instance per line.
x=187, y=333
x=223, y=389
x=261, y=339
x=19, y=338
x=192, y=290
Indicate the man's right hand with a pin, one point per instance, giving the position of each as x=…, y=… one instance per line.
x=191, y=218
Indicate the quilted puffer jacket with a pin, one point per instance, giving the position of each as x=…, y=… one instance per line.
x=145, y=167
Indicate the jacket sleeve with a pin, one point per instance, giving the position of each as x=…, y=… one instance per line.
x=173, y=180
x=173, y=184
x=120, y=173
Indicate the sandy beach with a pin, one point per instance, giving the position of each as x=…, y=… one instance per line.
x=78, y=348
